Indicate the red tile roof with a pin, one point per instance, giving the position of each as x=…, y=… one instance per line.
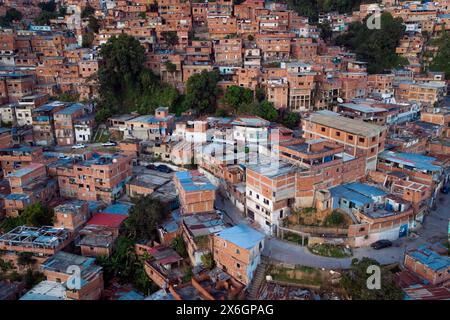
x=107, y=220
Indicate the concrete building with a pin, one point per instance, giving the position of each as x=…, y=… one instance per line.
x=102, y=177
x=197, y=194
x=358, y=138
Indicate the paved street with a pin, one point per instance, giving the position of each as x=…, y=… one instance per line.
x=434, y=229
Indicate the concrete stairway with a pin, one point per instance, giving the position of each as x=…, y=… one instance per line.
x=258, y=279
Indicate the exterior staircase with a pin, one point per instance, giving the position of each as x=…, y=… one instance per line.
x=258, y=279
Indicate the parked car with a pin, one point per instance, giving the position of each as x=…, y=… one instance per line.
x=109, y=144
x=445, y=190
x=380, y=244
x=163, y=168
x=79, y=146
x=151, y=167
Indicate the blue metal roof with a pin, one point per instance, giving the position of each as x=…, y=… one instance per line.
x=242, y=235
x=70, y=109
x=17, y=196
x=118, y=208
x=355, y=197
x=194, y=183
x=430, y=258
x=131, y=295
x=411, y=159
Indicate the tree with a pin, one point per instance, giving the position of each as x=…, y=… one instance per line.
x=376, y=46
x=68, y=97
x=10, y=223
x=126, y=85
x=44, y=18
x=26, y=259
x=170, y=67
x=49, y=6
x=11, y=15
x=290, y=119
x=87, y=40
x=48, y=12
x=354, y=281
x=144, y=217
x=170, y=37
x=260, y=95
x=207, y=260
x=34, y=215
x=236, y=96
x=37, y=215
x=93, y=24
x=201, y=92
x=87, y=11
x=32, y=278
x=125, y=265
x=179, y=246
x=267, y=111
x=118, y=75
x=325, y=30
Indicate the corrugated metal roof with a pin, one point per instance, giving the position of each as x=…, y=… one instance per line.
x=242, y=235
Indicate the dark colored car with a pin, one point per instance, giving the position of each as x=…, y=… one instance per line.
x=151, y=167
x=163, y=168
x=445, y=190
x=380, y=244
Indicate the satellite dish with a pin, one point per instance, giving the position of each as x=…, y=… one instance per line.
x=340, y=100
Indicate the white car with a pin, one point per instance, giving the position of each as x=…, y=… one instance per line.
x=109, y=144
x=79, y=146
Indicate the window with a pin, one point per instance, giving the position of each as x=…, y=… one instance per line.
x=322, y=129
x=362, y=140
x=338, y=133
x=238, y=265
x=237, y=251
x=350, y=137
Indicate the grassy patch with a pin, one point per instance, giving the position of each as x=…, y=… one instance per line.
x=293, y=237
x=329, y=250
x=104, y=137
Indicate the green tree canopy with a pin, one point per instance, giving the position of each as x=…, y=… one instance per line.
x=37, y=215
x=201, y=92
x=87, y=11
x=126, y=265
x=170, y=37
x=441, y=62
x=376, y=46
x=290, y=120
x=125, y=84
x=11, y=15
x=144, y=217
x=49, y=6
x=235, y=96
x=34, y=215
